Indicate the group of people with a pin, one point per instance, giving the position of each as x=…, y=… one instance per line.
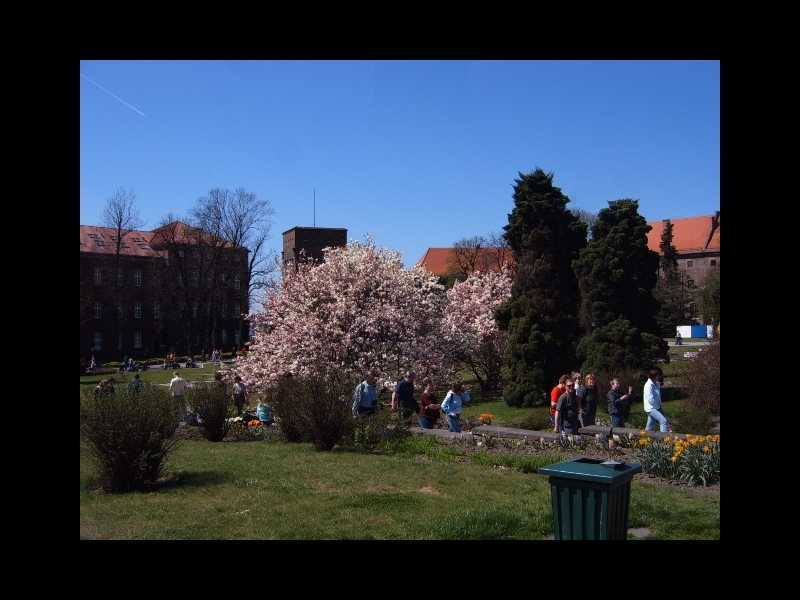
x=573, y=402
x=427, y=410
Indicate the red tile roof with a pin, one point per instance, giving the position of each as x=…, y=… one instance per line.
x=692, y=234
x=439, y=261
x=102, y=240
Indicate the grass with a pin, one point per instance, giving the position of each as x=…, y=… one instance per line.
x=153, y=376
x=274, y=490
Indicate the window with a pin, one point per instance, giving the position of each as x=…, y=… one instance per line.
x=97, y=341
x=195, y=308
x=120, y=278
x=98, y=276
x=194, y=278
x=713, y=262
x=137, y=278
x=156, y=311
x=237, y=309
x=137, y=339
x=690, y=284
x=137, y=310
x=689, y=263
x=237, y=282
x=98, y=310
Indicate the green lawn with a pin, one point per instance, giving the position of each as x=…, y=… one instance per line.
x=274, y=490
x=152, y=375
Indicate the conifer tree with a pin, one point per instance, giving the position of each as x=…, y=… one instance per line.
x=541, y=317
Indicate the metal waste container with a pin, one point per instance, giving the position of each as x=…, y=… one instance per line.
x=590, y=499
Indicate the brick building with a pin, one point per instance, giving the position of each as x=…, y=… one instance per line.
x=310, y=241
x=444, y=263
x=174, y=289
x=696, y=239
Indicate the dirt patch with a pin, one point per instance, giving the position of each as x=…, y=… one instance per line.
x=429, y=490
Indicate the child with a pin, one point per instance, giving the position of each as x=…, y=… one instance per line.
x=453, y=407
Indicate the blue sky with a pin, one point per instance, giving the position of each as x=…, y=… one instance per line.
x=416, y=153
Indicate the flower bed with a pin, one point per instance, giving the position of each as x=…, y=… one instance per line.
x=694, y=460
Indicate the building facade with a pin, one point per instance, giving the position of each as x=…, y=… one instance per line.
x=309, y=242
x=165, y=291
x=696, y=240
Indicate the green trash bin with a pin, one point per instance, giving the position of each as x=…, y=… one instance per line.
x=590, y=499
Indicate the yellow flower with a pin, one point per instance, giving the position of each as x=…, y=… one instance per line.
x=674, y=458
x=706, y=449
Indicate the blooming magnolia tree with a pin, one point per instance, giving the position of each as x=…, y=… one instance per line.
x=469, y=326
x=357, y=310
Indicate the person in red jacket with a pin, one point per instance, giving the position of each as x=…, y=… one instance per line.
x=555, y=394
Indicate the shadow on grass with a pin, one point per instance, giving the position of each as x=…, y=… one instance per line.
x=189, y=479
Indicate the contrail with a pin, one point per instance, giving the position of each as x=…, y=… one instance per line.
x=131, y=106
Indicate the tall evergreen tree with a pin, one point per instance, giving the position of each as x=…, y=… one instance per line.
x=616, y=274
x=670, y=291
x=542, y=315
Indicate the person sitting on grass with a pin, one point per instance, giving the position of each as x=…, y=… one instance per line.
x=264, y=413
x=365, y=396
x=566, y=418
x=429, y=412
x=453, y=406
x=136, y=385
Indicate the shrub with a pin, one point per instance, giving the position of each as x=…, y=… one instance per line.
x=381, y=429
x=692, y=420
x=287, y=412
x=129, y=435
x=702, y=378
x=212, y=404
x=314, y=407
x=537, y=421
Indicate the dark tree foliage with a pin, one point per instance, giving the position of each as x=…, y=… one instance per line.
x=710, y=299
x=670, y=291
x=542, y=315
x=617, y=273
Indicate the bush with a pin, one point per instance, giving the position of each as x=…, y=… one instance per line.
x=692, y=420
x=129, y=435
x=112, y=365
x=702, y=379
x=536, y=421
x=314, y=407
x=380, y=429
x=212, y=404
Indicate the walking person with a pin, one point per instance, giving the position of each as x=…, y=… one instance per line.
x=566, y=417
x=453, y=406
x=429, y=412
x=403, y=396
x=618, y=403
x=580, y=390
x=239, y=395
x=365, y=396
x=555, y=394
x=588, y=405
x=177, y=389
x=652, y=403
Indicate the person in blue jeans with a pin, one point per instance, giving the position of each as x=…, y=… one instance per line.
x=617, y=403
x=652, y=403
x=453, y=406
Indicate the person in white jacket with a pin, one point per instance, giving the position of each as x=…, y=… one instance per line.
x=453, y=406
x=652, y=403
x=177, y=388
